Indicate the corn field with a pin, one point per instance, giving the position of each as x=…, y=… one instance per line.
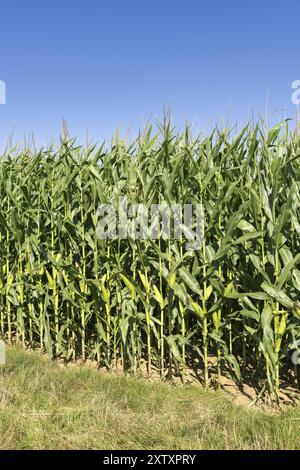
x=155, y=304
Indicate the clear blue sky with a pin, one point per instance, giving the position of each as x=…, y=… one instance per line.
x=102, y=64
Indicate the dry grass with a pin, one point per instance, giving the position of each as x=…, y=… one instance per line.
x=43, y=406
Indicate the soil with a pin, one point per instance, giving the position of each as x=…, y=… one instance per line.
x=251, y=394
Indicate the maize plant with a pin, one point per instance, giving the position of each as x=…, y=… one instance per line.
x=155, y=303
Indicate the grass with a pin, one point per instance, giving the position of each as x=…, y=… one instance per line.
x=46, y=406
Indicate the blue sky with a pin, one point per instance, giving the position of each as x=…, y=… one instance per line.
x=104, y=64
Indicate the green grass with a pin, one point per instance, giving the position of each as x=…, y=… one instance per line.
x=46, y=406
